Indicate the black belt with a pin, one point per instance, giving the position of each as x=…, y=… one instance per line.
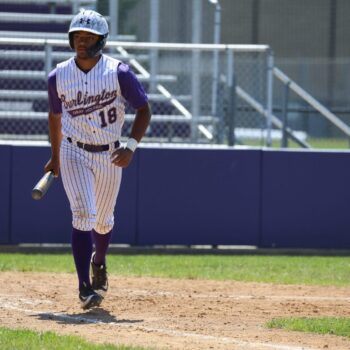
x=93, y=148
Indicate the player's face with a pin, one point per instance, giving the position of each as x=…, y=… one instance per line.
x=82, y=42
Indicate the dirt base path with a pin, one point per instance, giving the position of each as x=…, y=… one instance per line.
x=172, y=314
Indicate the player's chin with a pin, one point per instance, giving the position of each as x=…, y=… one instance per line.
x=82, y=54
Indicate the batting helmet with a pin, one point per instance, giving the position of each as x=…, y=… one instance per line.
x=92, y=22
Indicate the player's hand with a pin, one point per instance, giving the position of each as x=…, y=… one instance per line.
x=122, y=157
x=54, y=165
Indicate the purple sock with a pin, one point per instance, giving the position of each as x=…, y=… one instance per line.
x=82, y=251
x=101, y=246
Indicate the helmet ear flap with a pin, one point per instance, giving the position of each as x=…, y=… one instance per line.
x=98, y=47
x=71, y=41
x=102, y=42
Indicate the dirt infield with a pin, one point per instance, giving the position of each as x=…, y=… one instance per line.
x=172, y=314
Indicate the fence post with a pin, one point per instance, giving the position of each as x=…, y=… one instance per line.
x=154, y=37
x=269, y=96
x=231, y=98
x=75, y=6
x=114, y=20
x=215, y=82
x=284, y=143
x=48, y=58
x=231, y=112
x=195, y=78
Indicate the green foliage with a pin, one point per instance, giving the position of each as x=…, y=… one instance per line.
x=312, y=270
x=325, y=325
x=11, y=339
x=317, y=143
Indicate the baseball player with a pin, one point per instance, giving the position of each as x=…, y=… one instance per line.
x=87, y=96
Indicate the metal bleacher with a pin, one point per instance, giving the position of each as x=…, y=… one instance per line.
x=27, y=56
x=29, y=19
x=27, y=103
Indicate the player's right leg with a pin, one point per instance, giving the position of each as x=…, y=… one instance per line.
x=78, y=183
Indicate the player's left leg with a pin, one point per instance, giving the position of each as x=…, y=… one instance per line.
x=98, y=262
x=107, y=184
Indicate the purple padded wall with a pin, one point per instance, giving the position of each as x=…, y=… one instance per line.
x=199, y=196
x=5, y=193
x=305, y=199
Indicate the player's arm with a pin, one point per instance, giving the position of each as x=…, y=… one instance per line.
x=55, y=139
x=134, y=93
x=55, y=134
x=123, y=156
x=141, y=122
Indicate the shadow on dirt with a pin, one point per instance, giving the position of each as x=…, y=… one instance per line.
x=94, y=316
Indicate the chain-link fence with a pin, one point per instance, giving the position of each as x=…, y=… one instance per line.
x=227, y=94
x=322, y=78
x=190, y=87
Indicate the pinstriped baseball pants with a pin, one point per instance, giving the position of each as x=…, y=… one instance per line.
x=92, y=185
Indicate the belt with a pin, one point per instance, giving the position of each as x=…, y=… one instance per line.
x=93, y=148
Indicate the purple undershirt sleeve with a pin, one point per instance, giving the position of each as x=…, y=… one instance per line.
x=55, y=105
x=130, y=87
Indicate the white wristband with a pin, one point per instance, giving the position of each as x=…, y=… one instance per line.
x=131, y=144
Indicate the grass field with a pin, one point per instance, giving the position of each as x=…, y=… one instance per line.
x=330, y=325
x=28, y=340
x=307, y=270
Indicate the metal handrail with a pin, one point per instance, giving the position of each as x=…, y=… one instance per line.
x=45, y=2
x=274, y=120
x=143, y=45
x=36, y=74
x=34, y=17
x=62, y=36
x=128, y=117
x=336, y=121
x=56, y=55
x=41, y=94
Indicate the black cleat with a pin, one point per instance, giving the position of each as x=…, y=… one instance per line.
x=99, y=277
x=89, y=298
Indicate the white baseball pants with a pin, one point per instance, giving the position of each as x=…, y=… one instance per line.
x=92, y=185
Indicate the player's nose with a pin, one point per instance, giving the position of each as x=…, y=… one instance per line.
x=82, y=41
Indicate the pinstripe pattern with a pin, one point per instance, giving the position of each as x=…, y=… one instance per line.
x=92, y=184
x=79, y=92
x=93, y=113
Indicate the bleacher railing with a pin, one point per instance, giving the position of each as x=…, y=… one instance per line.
x=180, y=89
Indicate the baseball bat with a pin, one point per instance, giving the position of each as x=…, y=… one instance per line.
x=43, y=185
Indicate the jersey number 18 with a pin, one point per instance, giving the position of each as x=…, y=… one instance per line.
x=111, y=117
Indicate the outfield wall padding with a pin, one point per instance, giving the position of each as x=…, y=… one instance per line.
x=305, y=199
x=5, y=193
x=194, y=196
x=199, y=196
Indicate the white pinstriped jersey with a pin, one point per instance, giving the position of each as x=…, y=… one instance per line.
x=92, y=104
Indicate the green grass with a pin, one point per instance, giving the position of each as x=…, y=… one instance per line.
x=11, y=339
x=311, y=270
x=326, y=325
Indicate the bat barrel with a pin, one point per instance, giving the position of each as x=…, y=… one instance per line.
x=42, y=186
